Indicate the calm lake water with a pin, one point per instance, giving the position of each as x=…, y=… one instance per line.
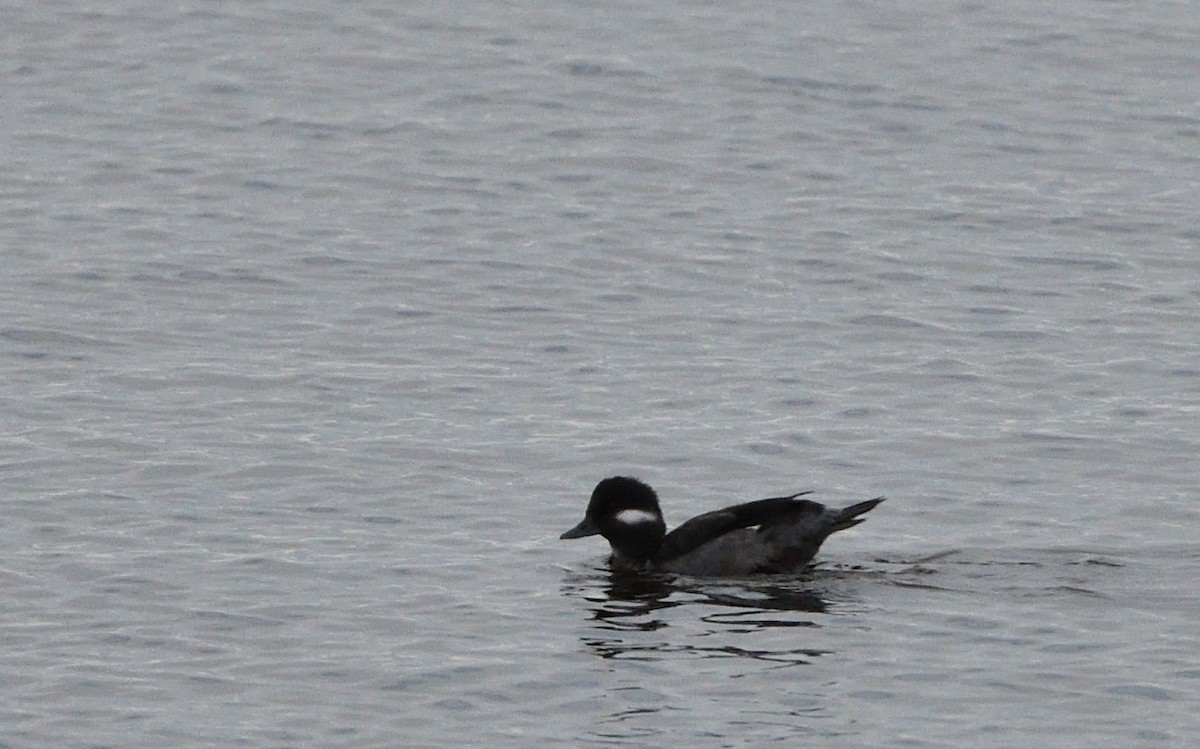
x=320, y=322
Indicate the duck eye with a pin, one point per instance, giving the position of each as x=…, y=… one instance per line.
x=635, y=517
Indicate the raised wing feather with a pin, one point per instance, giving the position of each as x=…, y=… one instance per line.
x=704, y=528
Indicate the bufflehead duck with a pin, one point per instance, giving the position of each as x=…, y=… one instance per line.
x=724, y=542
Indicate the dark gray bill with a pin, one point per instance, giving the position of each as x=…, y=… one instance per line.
x=585, y=528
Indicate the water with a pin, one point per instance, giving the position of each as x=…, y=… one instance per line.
x=319, y=325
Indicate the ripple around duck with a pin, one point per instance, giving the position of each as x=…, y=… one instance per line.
x=948, y=606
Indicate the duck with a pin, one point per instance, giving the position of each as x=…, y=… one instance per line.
x=777, y=535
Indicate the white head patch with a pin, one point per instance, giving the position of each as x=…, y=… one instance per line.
x=635, y=517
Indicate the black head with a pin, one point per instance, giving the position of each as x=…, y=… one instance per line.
x=625, y=511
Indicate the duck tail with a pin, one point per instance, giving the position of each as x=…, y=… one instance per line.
x=849, y=516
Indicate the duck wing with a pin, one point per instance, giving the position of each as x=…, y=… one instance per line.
x=704, y=528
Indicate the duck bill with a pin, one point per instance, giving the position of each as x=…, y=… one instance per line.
x=585, y=528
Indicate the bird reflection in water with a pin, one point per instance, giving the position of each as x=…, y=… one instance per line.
x=625, y=603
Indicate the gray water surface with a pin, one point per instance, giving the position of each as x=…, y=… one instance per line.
x=319, y=323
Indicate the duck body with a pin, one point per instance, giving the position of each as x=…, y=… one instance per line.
x=767, y=536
